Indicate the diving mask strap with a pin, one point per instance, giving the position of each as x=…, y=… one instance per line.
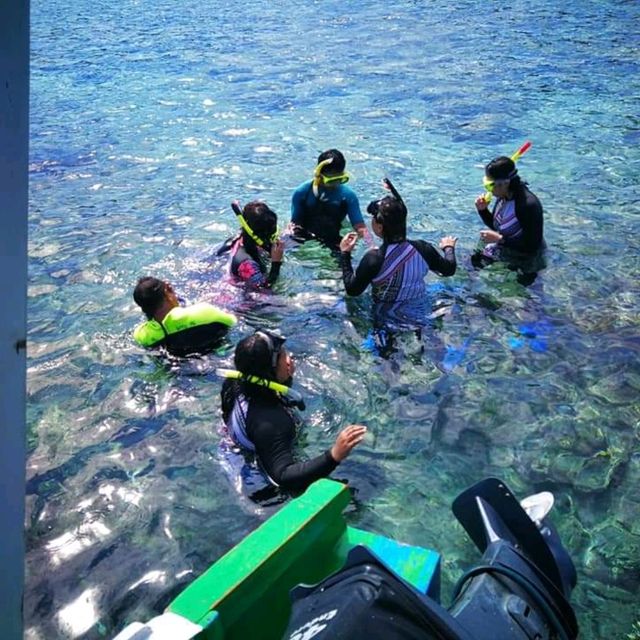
x=317, y=175
x=262, y=382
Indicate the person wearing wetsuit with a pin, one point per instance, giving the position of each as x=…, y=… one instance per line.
x=397, y=269
x=255, y=245
x=319, y=206
x=262, y=420
x=516, y=224
x=181, y=330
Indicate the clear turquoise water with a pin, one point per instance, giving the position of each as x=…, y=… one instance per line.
x=149, y=118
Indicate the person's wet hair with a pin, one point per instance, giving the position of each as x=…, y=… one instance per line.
x=503, y=168
x=262, y=220
x=391, y=213
x=149, y=295
x=253, y=357
x=335, y=167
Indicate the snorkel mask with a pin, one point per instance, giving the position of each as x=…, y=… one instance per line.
x=261, y=242
x=320, y=178
x=375, y=206
x=489, y=184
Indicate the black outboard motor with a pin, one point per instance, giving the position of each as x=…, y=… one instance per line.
x=518, y=591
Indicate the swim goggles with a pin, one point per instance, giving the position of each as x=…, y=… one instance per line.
x=489, y=184
x=250, y=232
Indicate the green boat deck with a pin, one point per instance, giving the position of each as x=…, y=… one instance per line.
x=245, y=594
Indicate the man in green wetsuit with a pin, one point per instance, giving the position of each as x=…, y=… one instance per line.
x=181, y=330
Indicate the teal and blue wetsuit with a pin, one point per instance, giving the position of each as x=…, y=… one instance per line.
x=321, y=217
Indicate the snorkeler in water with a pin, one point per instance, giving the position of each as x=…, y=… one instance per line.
x=257, y=251
x=396, y=270
x=258, y=409
x=319, y=206
x=181, y=330
x=515, y=233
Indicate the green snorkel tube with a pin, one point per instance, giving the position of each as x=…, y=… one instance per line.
x=515, y=157
x=295, y=396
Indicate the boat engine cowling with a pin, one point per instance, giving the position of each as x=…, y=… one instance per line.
x=519, y=589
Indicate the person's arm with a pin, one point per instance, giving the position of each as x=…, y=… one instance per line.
x=354, y=213
x=442, y=265
x=277, y=254
x=482, y=207
x=272, y=431
x=369, y=267
x=297, y=203
x=529, y=215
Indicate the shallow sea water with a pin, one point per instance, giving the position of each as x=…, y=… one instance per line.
x=148, y=119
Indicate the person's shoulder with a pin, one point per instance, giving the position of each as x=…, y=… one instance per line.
x=301, y=188
x=347, y=192
x=530, y=199
x=148, y=333
x=373, y=255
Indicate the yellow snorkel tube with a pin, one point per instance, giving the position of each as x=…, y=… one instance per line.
x=320, y=178
x=515, y=157
x=317, y=175
x=235, y=205
x=263, y=382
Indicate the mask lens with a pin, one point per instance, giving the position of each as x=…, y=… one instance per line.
x=340, y=179
x=488, y=184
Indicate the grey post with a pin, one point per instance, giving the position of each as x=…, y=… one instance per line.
x=14, y=141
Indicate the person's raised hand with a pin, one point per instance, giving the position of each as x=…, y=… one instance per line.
x=277, y=251
x=481, y=203
x=348, y=242
x=347, y=439
x=448, y=241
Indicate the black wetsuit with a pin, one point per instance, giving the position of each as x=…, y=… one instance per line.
x=373, y=261
x=271, y=427
x=528, y=210
x=521, y=225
